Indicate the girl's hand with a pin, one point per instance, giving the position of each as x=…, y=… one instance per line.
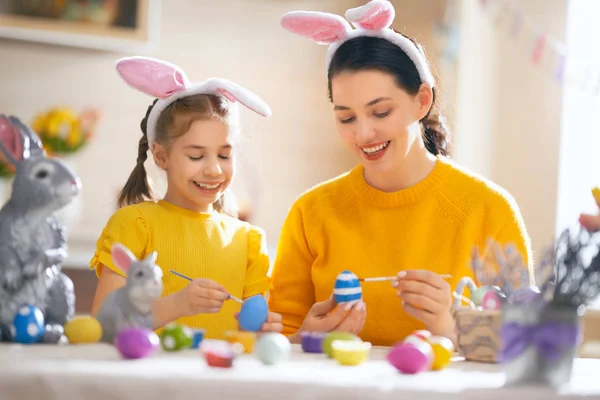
x=201, y=296
x=427, y=297
x=327, y=316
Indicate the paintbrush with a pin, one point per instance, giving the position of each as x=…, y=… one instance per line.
x=189, y=279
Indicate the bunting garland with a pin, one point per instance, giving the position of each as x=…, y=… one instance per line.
x=544, y=51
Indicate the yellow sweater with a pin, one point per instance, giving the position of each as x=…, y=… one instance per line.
x=345, y=224
x=198, y=245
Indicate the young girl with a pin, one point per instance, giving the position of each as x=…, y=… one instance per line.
x=406, y=207
x=191, y=130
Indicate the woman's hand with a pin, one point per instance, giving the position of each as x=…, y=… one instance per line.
x=427, y=297
x=327, y=316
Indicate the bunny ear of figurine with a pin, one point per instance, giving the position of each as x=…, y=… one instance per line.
x=168, y=82
x=122, y=257
x=17, y=141
x=372, y=19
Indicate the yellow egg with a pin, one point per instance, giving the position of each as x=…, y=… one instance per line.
x=83, y=330
x=443, y=349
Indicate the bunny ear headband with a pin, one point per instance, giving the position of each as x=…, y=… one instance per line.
x=168, y=82
x=373, y=19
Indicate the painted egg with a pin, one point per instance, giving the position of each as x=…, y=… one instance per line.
x=312, y=342
x=347, y=288
x=331, y=336
x=134, y=343
x=175, y=337
x=253, y=314
x=83, y=330
x=28, y=325
x=491, y=301
x=273, y=348
x=443, y=349
x=422, y=334
x=411, y=356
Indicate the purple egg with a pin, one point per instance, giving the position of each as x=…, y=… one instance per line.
x=136, y=343
x=411, y=358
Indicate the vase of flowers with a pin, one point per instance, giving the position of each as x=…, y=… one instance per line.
x=64, y=132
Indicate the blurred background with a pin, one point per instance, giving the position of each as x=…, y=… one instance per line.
x=519, y=84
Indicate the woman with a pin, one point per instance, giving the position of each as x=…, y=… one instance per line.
x=405, y=207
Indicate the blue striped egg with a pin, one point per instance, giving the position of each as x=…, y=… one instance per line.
x=347, y=288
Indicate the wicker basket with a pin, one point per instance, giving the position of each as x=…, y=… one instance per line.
x=478, y=334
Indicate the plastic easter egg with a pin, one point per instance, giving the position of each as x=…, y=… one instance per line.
x=443, y=349
x=134, y=343
x=331, y=336
x=347, y=288
x=175, y=337
x=273, y=348
x=312, y=342
x=28, y=325
x=350, y=352
x=83, y=330
x=411, y=357
x=253, y=314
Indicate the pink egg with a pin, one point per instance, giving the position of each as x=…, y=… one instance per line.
x=411, y=357
x=136, y=343
x=491, y=301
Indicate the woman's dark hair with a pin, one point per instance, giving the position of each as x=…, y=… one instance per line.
x=174, y=121
x=372, y=53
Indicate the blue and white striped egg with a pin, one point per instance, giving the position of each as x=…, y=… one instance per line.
x=347, y=288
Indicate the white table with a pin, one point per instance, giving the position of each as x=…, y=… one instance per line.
x=93, y=372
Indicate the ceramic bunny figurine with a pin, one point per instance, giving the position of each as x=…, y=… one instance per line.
x=131, y=305
x=32, y=240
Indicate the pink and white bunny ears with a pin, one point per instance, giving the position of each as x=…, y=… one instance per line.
x=373, y=19
x=168, y=83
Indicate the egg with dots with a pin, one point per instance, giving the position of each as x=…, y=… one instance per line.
x=28, y=325
x=135, y=343
x=175, y=337
x=412, y=356
x=254, y=313
x=347, y=288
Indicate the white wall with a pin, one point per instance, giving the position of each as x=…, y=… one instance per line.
x=237, y=39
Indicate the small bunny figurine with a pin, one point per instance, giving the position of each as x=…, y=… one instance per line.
x=131, y=305
x=32, y=241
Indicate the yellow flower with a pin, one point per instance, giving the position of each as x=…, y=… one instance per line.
x=74, y=137
x=39, y=123
x=61, y=122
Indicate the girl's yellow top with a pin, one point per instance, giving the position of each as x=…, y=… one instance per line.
x=198, y=245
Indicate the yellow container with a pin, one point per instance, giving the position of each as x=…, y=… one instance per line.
x=347, y=352
x=246, y=339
